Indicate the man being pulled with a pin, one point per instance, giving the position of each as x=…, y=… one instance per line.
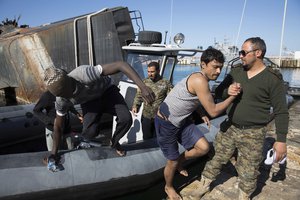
x=172, y=122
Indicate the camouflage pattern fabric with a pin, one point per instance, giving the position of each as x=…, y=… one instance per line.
x=249, y=143
x=160, y=88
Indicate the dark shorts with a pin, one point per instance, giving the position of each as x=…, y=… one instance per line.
x=168, y=137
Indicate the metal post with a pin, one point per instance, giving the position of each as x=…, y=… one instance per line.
x=282, y=32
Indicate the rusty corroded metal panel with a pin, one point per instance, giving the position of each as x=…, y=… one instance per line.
x=25, y=53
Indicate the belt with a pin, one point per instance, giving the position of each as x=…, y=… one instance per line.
x=247, y=127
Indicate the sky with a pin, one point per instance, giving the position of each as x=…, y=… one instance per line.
x=203, y=22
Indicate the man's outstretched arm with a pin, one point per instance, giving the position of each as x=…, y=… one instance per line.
x=120, y=66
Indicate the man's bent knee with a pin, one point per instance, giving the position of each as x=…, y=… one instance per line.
x=202, y=146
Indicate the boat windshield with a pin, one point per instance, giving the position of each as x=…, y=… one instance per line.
x=140, y=62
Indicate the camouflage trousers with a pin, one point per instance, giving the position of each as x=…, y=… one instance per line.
x=249, y=143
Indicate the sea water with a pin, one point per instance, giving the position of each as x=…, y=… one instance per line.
x=291, y=75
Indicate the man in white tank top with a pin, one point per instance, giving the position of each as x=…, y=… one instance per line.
x=172, y=121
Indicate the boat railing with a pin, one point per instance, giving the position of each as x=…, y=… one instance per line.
x=136, y=18
x=136, y=44
x=237, y=62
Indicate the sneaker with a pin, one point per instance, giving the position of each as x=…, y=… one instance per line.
x=83, y=145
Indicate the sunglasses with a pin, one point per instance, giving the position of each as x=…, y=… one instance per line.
x=244, y=53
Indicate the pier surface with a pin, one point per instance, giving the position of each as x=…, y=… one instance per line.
x=275, y=182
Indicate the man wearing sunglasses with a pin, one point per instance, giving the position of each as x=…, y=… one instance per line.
x=248, y=116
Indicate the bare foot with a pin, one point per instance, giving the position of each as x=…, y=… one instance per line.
x=172, y=194
x=121, y=153
x=182, y=171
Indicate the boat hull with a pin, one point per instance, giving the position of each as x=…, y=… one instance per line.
x=19, y=127
x=95, y=173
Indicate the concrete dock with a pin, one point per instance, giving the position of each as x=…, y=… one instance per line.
x=275, y=182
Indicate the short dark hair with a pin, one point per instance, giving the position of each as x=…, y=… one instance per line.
x=156, y=64
x=258, y=43
x=211, y=54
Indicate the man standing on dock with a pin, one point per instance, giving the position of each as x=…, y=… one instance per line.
x=262, y=88
x=173, y=124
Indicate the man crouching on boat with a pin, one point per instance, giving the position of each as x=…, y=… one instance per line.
x=172, y=121
x=91, y=86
